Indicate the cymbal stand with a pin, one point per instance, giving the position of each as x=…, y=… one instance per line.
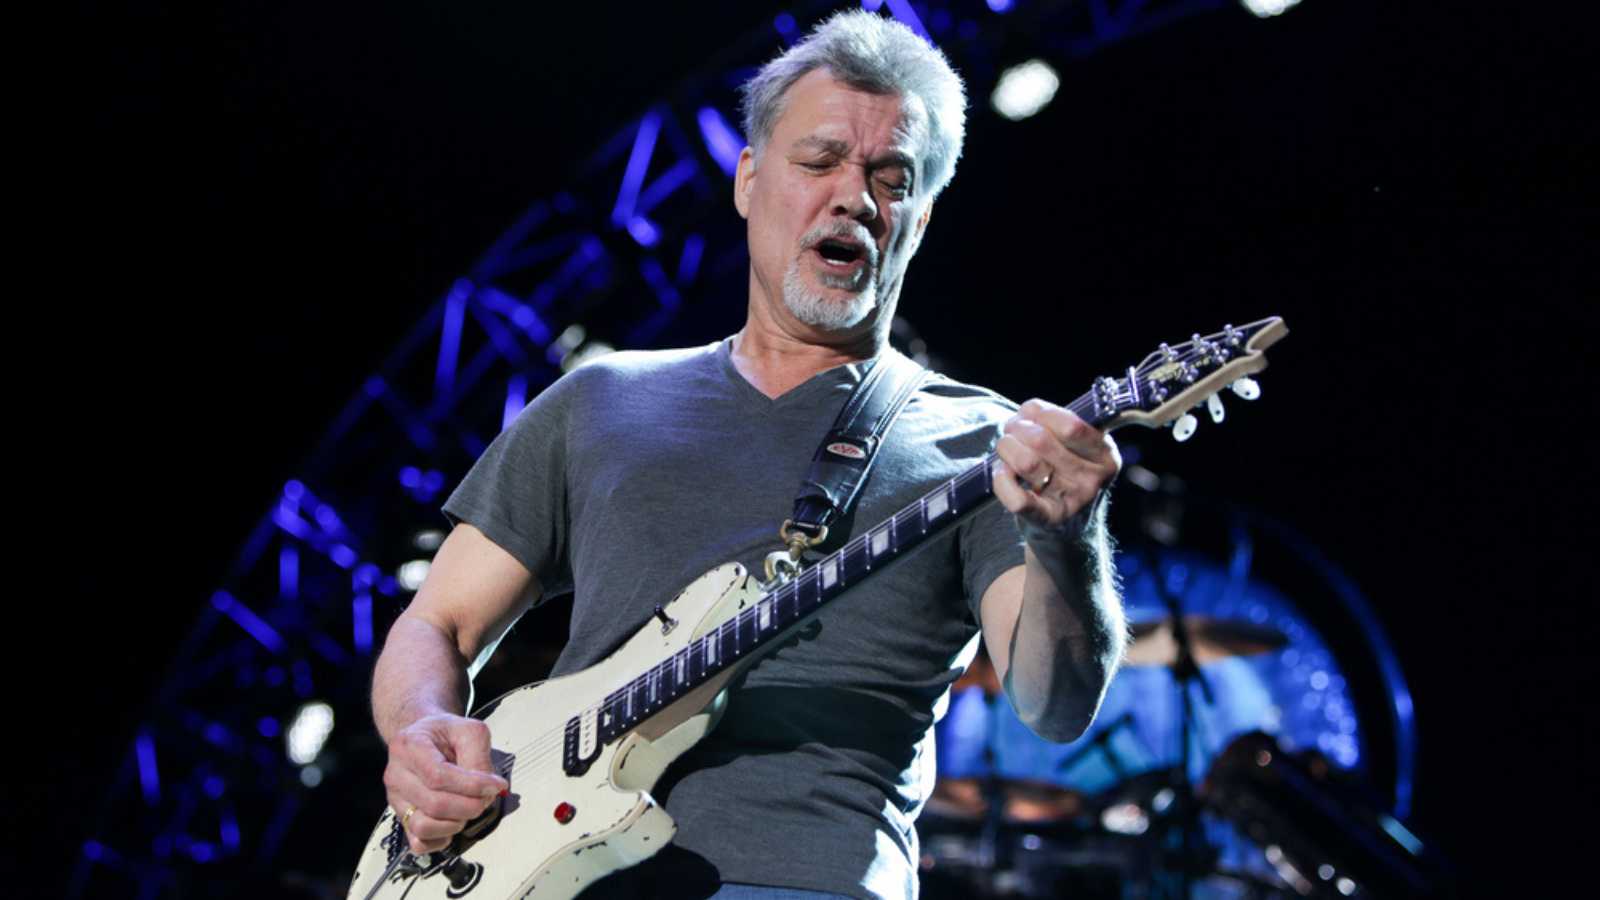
x=1185, y=674
x=994, y=796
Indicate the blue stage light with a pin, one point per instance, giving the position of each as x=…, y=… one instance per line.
x=786, y=27
x=644, y=231
x=722, y=140
x=644, y=145
x=149, y=776
x=361, y=622
x=253, y=625
x=694, y=246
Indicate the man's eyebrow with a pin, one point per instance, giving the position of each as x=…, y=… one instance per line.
x=842, y=148
x=894, y=158
x=826, y=145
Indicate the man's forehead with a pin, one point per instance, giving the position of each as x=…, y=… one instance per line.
x=821, y=109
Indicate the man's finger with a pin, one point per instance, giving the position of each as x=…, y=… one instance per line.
x=424, y=758
x=469, y=738
x=443, y=805
x=1079, y=436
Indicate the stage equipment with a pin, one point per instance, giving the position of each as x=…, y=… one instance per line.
x=1125, y=813
x=1323, y=830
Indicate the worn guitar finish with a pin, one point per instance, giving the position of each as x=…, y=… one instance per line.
x=581, y=752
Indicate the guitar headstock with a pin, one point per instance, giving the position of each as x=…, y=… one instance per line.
x=1175, y=379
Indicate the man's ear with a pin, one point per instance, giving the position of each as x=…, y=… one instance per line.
x=743, y=180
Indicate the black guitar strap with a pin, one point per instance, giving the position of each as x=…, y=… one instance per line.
x=840, y=465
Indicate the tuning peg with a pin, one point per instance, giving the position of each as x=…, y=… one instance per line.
x=1247, y=388
x=1183, y=429
x=1214, y=406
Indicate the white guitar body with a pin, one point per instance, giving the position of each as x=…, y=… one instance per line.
x=521, y=848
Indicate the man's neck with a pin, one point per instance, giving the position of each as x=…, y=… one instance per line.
x=776, y=363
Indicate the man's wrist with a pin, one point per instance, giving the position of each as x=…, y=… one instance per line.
x=1078, y=531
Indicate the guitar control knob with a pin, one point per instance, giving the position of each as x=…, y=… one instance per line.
x=565, y=812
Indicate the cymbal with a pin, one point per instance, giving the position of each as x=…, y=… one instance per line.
x=1024, y=800
x=1209, y=640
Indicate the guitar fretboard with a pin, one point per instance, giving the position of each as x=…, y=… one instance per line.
x=767, y=618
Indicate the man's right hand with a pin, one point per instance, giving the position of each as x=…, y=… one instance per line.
x=440, y=777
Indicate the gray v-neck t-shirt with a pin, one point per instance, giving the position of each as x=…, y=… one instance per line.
x=636, y=473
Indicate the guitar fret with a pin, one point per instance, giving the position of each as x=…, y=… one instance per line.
x=880, y=540
x=747, y=631
x=743, y=635
x=854, y=563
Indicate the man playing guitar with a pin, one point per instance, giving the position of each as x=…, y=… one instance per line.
x=633, y=473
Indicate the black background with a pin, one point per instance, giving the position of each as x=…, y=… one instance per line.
x=248, y=207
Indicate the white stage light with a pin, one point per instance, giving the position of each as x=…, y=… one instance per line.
x=309, y=731
x=1268, y=8
x=412, y=574
x=1024, y=90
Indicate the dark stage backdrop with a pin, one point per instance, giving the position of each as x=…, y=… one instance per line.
x=248, y=207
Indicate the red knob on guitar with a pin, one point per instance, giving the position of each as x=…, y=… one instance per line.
x=565, y=812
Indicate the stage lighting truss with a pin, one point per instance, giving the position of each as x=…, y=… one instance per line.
x=206, y=793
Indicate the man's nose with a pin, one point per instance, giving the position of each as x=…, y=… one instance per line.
x=853, y=196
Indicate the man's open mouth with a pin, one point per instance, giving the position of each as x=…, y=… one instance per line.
x=839, y=253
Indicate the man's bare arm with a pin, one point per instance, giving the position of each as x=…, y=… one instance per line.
x=1055, y=631
x=440, y=775
x=1054, y=626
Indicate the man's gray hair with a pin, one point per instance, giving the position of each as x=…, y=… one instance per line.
x=874, y=54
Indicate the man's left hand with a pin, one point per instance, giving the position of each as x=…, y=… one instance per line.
x=1053, y=466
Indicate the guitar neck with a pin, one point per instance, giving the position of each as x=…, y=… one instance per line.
x=756, y=628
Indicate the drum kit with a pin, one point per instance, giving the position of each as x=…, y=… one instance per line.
x=988, y=836
x=1264, y=822
x=1263, y=798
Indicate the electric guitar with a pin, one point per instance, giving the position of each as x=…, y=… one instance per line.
x=583, y=751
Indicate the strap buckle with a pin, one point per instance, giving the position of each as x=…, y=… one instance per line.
x=782, y=566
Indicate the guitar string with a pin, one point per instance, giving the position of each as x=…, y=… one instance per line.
x=538, y=751
x=542, y=747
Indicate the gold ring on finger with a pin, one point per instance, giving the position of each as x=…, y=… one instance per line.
x=406, y=819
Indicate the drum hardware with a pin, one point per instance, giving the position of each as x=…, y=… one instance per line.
x=1326, y=835
x=1210, y=639
x=1194, y=854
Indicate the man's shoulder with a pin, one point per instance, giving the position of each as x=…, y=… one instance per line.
x=629, y=368
x=632, y=363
